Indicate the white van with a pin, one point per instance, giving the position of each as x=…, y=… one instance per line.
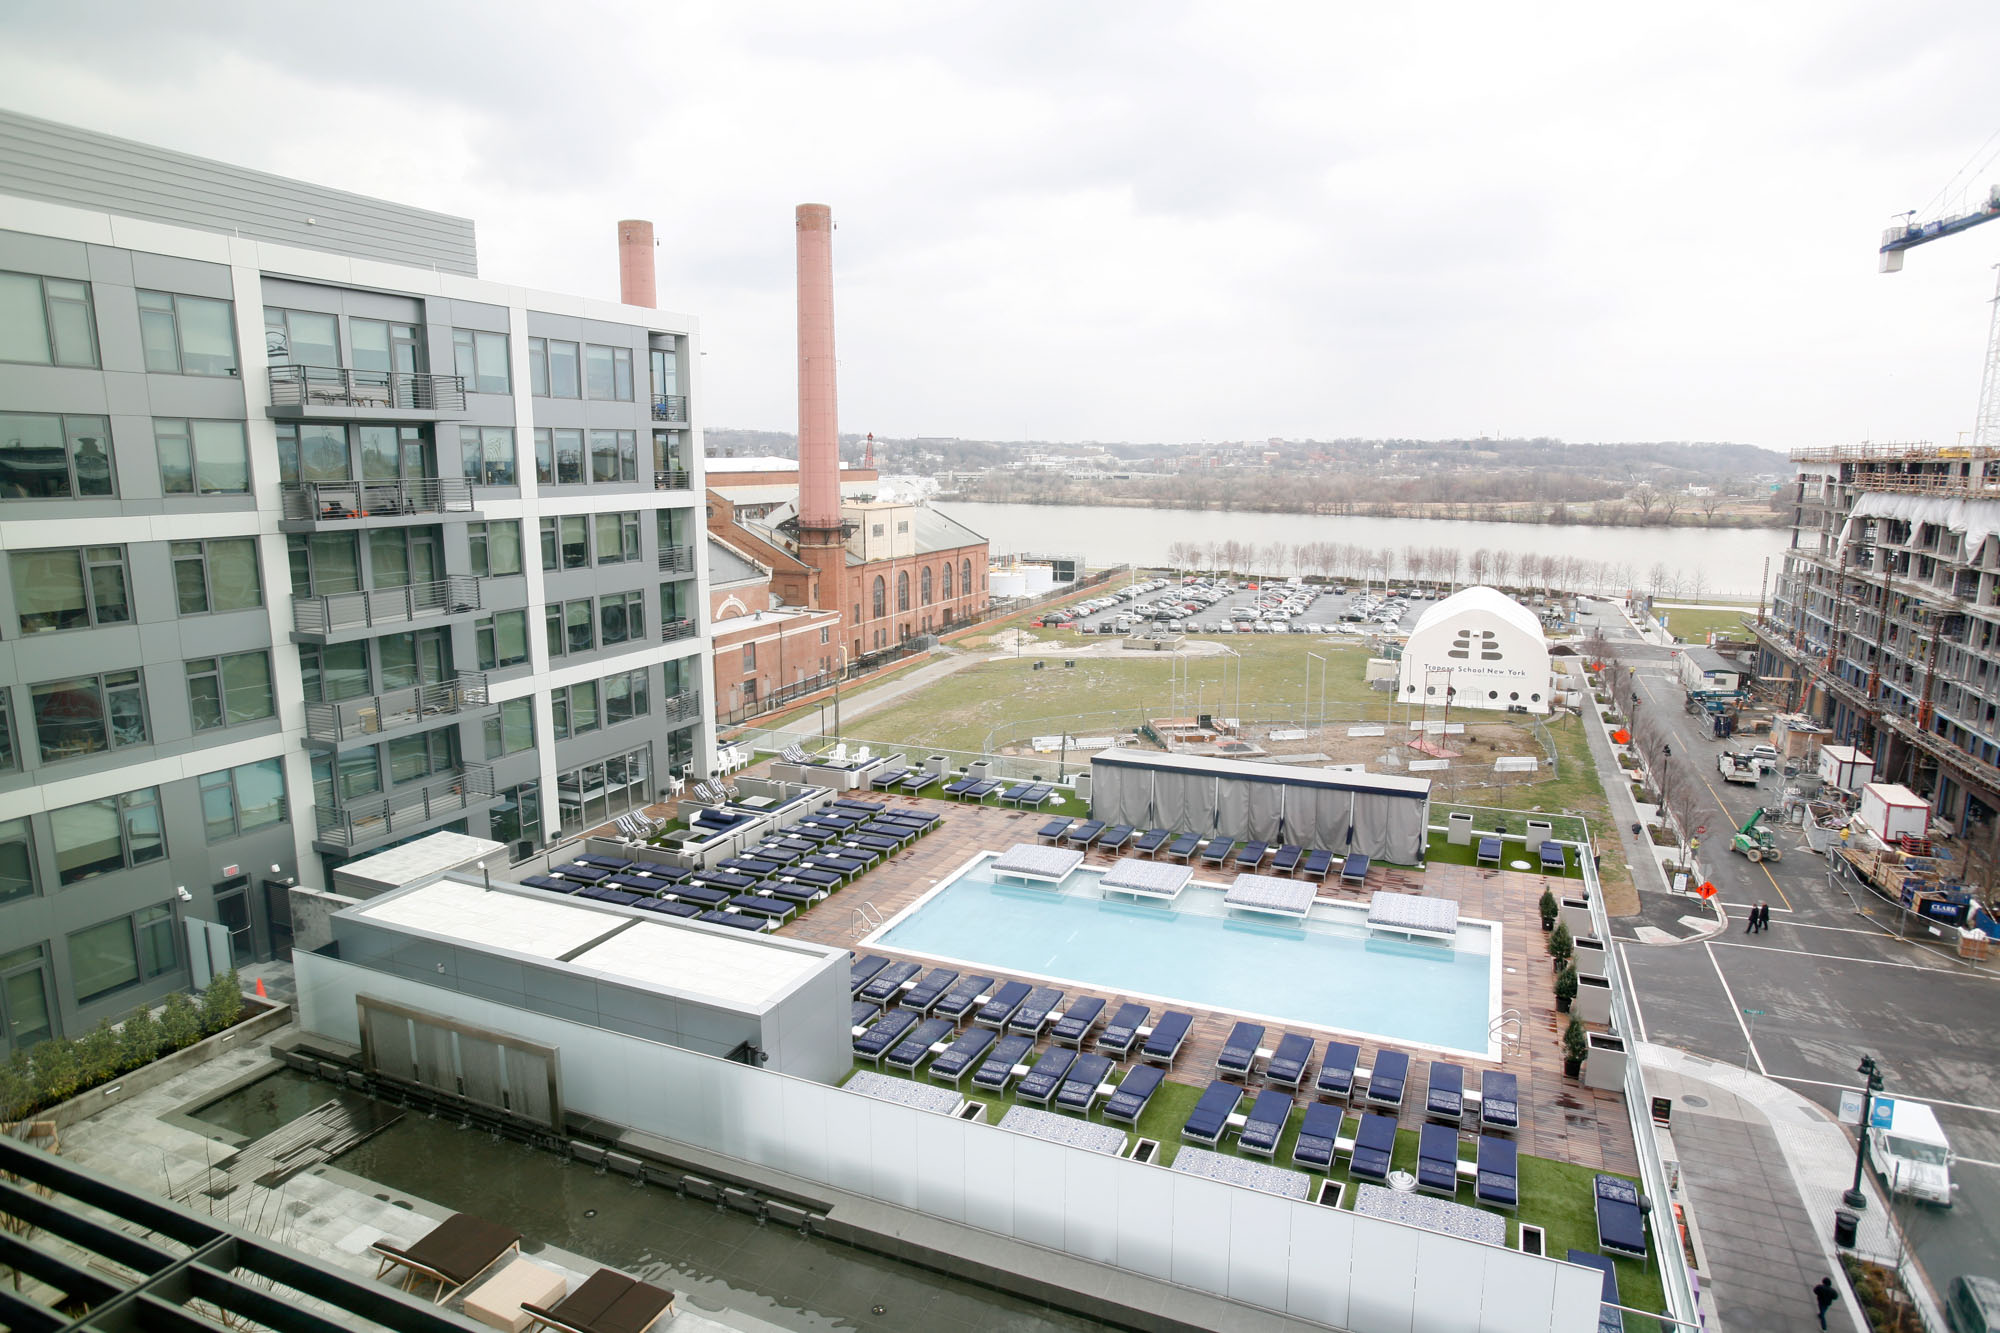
x=1912, y=1155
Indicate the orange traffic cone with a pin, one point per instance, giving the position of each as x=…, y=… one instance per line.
x=260, y=988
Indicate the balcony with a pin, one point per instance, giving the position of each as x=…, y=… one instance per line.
x=673, y=479
x=337, y=613
x=677, y=559
x=335, y=393
x=671, y=630
x=682, y=707
x=405, y=809
x=671, y=408
x=394, y=710
x=342, y=502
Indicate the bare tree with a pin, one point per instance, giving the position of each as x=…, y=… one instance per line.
x=1416, y=559
x=1657, y=577
x=1503, y=567
x=1644, y=496
x=1670, y=504
x=1684, y=809
x=1708, y=504
x=1475, y=565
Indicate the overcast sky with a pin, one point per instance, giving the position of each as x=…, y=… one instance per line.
x=1162, y=221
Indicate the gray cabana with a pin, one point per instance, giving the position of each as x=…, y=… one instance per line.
x=1381, y=817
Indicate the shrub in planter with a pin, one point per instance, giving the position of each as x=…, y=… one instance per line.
x=1561, y=944
x=97, y=1054
x=139, y=1039
x=221, y=1003
x=180, y=1022
x=1576, y=1045
x=1548, y=906
x=17, y=1087
x=1565, y=989
x=58, y=1074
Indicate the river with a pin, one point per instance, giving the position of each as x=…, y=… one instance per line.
x=1729, y=561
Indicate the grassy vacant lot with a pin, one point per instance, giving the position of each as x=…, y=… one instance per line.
x=1556, y=1196
x=1694, y=625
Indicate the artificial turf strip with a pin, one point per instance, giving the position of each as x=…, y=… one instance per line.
x=1442, y=851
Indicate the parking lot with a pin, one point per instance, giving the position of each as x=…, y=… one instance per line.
x=1210, y=606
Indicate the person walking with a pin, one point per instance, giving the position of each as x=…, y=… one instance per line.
x=1750, y=922
x=1825, y=1294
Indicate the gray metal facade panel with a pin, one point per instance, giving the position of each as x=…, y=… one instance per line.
x=63, y=164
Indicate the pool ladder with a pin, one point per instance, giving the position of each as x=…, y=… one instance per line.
x=865, y=915
x=1506, y=1030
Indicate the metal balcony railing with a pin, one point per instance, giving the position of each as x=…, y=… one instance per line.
x=681, y=707
x=670, y=407
x=677, y=559
x=405, y=808
x=394, y=708
x=385, y=606
x=673, y=479
x=676, y=629
x=341, y=501
x=306, y=387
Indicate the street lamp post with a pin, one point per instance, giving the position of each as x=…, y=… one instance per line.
x=1870, y=1071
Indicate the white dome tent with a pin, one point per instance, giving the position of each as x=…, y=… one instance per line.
x=1478, y=648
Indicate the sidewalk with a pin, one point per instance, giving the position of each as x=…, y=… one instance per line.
x=1763, y=1171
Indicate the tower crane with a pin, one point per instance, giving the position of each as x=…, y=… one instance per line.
x=1907, y=235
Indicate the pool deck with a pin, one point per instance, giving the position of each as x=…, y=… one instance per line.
x=1560, y=1118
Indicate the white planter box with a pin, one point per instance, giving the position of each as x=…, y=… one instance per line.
x=1590, y=956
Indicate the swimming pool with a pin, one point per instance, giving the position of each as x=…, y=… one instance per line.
x=1328, y=971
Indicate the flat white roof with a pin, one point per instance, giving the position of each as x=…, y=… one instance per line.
x=499, y=920
x=412, y=861
x=740, y=972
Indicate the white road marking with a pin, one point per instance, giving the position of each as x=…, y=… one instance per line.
x=1736, y=1009
x=1835, y=958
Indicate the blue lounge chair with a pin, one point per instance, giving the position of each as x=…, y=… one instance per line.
x=735, y=921
x=824, y=880
x=1045, y=1077
x=1437, y=1160
x=1287, y=1066
x=1077, y=1021
x=1163, y=1043
x=998, y=1072
x=923, y=996
x=605, y=894
x=1252, y=854
x=725, y=879
x=579, y=873
x=1150, y=842
x=883, y=778
x=996, y=1012
x=885, y=1032
x=706, y=895
x=1052, y=831
x=1084, y=1085
x=849, y=866
x=862, y=971
x=917, y=819
x=1266, y=1123
x=1219, y=850
x=1122, y=1032
x=838, y=822
x=977, y=789
x=774, y=910
x=812, y=837
x=634, y=884
x=1555, y=858
x=1128, y=1102
x=834, y=847
x=1183, y=847
x=550, y=884
x=657, y=870
x=1239, y=1051
x=1354, y=869
x=775, y=854
x=667, y=907
x=965, y=994
x=1609, y=1319
x=854, y=807
x=902, y=835
x=1082, y=835
x=1029, y=794
x=1489, y=850
x=1318, y=1136
x=749, y=865
x=1499, y=1101
x=1621, y=1227
x=860, y=1014
x=924, y=1040
x=887, y=984
x=1115, y=837
x=1499, y=1172
x=873, y=842
x=916, y=780
x=800, y=896
x=1209, y=1119
x=1374, y=1146
x=610, y=864
x=1286, y=859
x=1316, y=864
x=1386, y=1080
x=962, y=1056
x=1036, y=1012
x=1444, y=1096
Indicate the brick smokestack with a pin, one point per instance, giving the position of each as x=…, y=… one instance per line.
x=635, y=263
x=819, y=438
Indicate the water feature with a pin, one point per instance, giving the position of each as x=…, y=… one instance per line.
x=1729, y=560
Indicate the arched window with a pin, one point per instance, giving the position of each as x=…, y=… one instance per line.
x=881, y=597
x=965, y=584
x=903, y=590
x=947, y=580
x=924, y=586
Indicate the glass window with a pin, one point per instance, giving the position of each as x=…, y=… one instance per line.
x=202, y=457
x=538, y=367
x=583, y=707
x=924, y=590
x=496, y=547
x=89, y=714
x=503, y=639
x=389, y=559
x=103, y=958
x=50, y=457
x=46, y=321
x=545, y=456
x=413, y=758
x=360, y=774
x=313, y=451
x=617, y=538
x=562, y=372
x=481, y=358
x=97, y=837
x=517, y=817
x=604, y=455
x=511, y=728
x=334, y=671
x=488, y=453
x=574, y=540
x=159, y=951
x=324, y=563
x=229, y=690
x=608, y=372
x=217, y=575
x=301, y=337
x=881, y=600
x=749, y=657
x=666, y=367
x=621, y=616
x=582, y=629
x=241, y=800
x=628, y=455
x=569, y=457
x=965, y=584
x=946, y=567
x=551, y=557
x=187, y=335
x=73, y=589
x=17, y=860
x=8, y=756
x=903, y=590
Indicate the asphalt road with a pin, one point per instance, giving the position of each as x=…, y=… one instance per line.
x=1831, y=982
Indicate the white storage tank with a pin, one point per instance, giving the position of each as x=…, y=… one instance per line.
x=1007, y=583
x=1890, y=811
x=1041, y=578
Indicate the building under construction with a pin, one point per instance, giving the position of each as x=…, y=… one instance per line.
x=1886, y=621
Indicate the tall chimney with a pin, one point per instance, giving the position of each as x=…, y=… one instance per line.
x=635, y=263
x=819, y=439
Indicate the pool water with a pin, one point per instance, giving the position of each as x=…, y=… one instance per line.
x=1328, y=971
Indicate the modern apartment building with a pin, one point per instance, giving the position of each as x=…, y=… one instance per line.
x=1886, y=620
x=314, y=541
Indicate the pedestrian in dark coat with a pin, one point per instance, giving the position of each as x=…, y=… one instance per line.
x=1750, y=922
x=1825, y=1294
